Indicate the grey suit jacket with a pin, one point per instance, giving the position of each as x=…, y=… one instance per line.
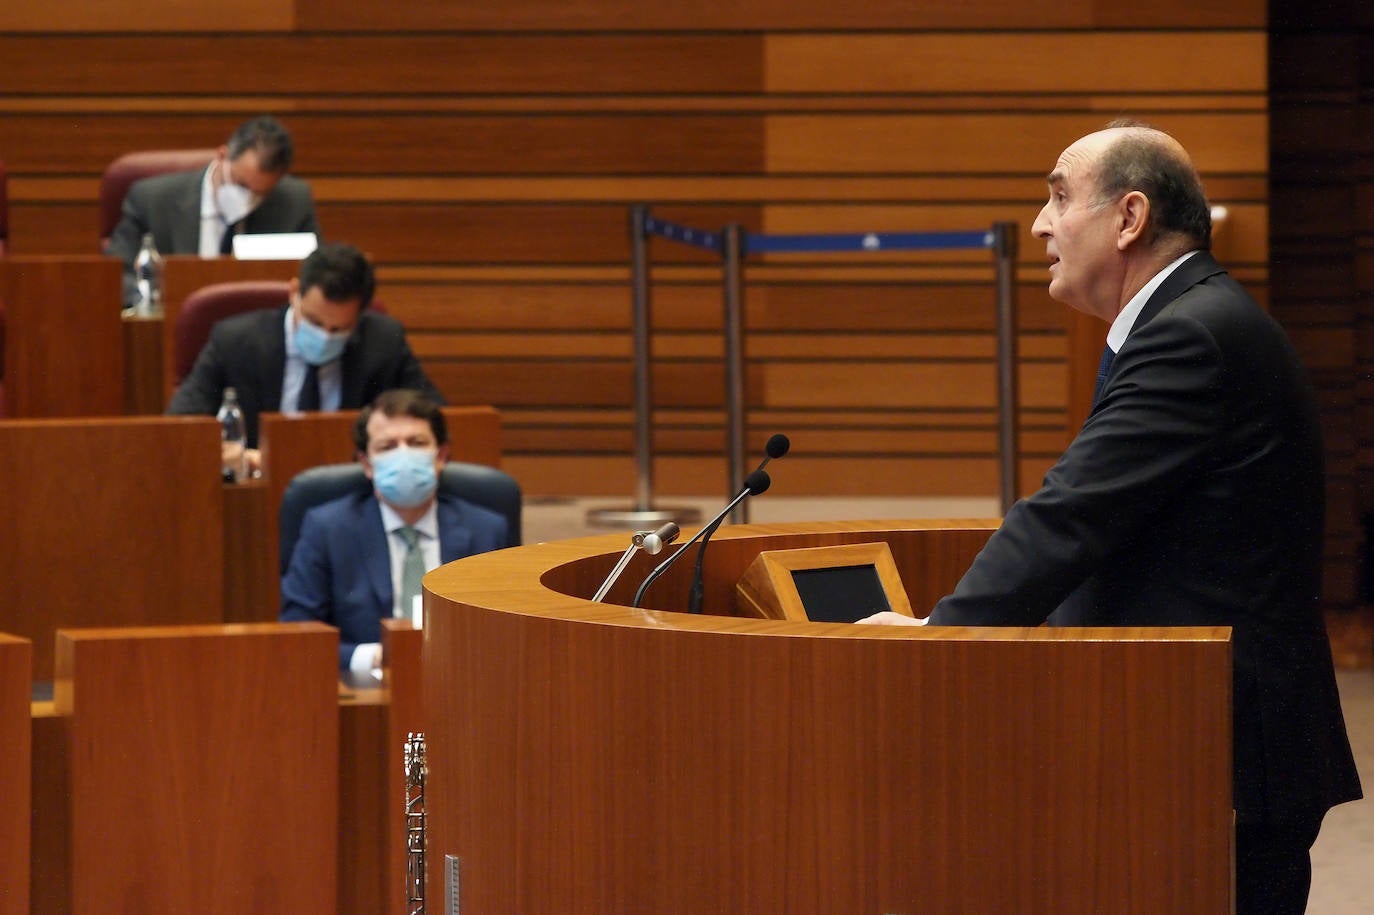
x=169, y=207
x=248, y=353
x=1194, y=496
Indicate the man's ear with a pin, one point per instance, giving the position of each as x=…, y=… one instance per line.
x=295, y=285
x=442, y=455
x=362, y=458
x=1133, y=210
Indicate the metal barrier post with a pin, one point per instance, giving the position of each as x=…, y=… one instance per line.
x=733, y=252
x=1004, y=253
x=643, y=513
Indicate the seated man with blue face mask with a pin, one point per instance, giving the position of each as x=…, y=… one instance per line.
x=323, y=351
x=360, y=558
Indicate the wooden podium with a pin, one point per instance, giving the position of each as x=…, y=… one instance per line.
x=595, y=758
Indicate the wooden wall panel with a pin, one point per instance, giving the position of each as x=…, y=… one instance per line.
x=905, y=144
x=381, y=64
x=146, y=16
x=780, y=15
x=484, y=156
x=994, y=61
x=411, y=144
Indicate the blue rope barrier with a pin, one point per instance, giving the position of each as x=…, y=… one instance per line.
x=813, y=244
x=673, y=231
x=866, y=241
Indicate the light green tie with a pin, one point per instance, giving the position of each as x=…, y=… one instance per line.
x=412, y=570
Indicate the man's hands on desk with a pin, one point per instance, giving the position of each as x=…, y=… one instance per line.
x=252, y=458
x=888, y=618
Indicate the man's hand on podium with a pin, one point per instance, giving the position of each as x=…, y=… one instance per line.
x=888, y=618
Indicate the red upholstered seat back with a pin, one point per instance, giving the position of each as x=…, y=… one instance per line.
x=130, y=167
x=210, y=304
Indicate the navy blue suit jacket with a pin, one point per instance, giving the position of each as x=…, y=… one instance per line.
x=340, y=570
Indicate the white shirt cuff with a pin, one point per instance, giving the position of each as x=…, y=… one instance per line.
x=361, y=661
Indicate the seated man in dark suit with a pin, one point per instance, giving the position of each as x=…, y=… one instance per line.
x=360, y=558
x=245, y=189
x=323, y=351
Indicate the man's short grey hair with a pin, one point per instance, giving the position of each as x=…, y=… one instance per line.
x=1142, y=160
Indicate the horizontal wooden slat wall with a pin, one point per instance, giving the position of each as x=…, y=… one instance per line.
x=485, y=155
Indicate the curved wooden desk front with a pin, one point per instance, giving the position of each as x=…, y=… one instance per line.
x=595, y=758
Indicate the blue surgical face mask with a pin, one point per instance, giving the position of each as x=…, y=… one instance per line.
x=316, y=345
x=405, y=477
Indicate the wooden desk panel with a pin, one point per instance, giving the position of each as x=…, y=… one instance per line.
x=64, y=347
x=252, y=584
x=366, y=805
x=109, y=522
x=733, y=765
x=16, y=659
x=203, y=767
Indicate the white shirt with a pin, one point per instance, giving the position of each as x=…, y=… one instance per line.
x=293, y=378
x=1121, y=327
x=428, y=526
x=212, y=224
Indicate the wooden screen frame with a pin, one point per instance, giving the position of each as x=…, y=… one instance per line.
x=768, y=591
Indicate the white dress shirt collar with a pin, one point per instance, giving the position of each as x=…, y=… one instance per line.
x=1121, y=327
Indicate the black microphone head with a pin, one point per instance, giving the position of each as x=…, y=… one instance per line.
x=777, y=446
x=757, y=482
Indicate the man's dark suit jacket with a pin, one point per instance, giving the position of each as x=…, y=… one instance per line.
x=1193, y=496
x=169, y=207
x=340, y=571
x=248, y=353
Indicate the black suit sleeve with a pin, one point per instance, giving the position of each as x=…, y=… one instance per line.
x=127, y=238
x=1146, y=442
x=201, y=392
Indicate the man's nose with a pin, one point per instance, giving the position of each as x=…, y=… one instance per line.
x=1041, y=227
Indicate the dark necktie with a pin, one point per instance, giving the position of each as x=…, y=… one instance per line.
x=309, y=398
x=226, y=241
x=1103, y=368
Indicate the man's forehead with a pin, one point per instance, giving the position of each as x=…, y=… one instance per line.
x=1074, y=163
x=405, y=425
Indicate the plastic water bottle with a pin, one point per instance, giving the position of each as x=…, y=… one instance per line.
x=148, y=274
x=230, y=418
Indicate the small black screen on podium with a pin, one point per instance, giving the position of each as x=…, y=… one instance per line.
x=842, y=594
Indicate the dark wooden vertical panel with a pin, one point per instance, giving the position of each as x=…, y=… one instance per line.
x=16, y=667
x=1321, y=74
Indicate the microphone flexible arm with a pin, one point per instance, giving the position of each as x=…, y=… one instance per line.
x=651, y=542
x=754, y=484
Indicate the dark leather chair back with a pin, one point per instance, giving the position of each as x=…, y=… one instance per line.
x=130, y=167
x=476, y=483
x=211, y=304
